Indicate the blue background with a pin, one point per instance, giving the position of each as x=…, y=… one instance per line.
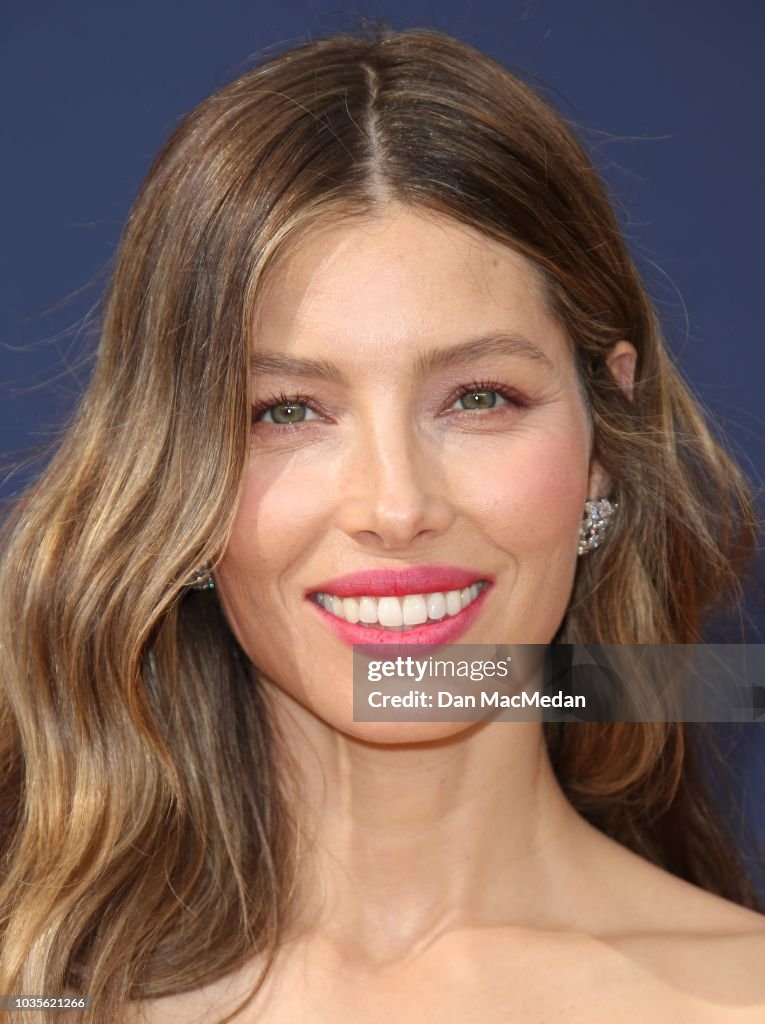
x=669, y=96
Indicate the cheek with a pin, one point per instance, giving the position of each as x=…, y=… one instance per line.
x=277, y=517
x=529, y=492
x=277, y=525
x=528, y=498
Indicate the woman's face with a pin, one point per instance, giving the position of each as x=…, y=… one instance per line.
x=381, y=441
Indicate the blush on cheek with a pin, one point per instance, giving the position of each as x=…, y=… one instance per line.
x=532, y=493
x=280, y=519
x=557, y=496
x=281, y=505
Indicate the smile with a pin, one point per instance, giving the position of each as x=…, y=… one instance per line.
x=399, y=613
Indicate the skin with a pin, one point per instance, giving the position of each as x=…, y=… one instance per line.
x=446, y=876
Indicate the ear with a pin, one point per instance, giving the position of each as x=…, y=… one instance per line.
x=621, y=362
x=599, y=485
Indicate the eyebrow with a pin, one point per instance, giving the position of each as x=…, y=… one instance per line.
x=496, y=343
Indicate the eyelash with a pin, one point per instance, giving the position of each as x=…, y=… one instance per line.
x=274, y=400
x=279, y=399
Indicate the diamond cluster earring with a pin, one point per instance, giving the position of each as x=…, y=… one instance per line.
x=202, y=579
x=592, y=529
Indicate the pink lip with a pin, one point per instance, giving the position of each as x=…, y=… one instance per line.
x=397, y=582
x=446, y=631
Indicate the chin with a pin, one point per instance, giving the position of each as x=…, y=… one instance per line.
x=403, y=733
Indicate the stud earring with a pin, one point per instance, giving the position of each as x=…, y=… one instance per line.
x=593, y=527
x=202, y=579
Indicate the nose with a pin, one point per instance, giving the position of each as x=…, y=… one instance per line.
x=393, y=492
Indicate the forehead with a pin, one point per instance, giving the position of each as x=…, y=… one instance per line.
x=404, y=275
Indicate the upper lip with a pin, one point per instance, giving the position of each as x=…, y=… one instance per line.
x=398, y=581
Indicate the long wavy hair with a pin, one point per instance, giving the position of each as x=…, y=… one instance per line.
x=135, y=863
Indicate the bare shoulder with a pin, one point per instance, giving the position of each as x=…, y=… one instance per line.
x=719, y=971
x=634, y=896
x=203, y=1005
x=637, y=928
x=694, y=942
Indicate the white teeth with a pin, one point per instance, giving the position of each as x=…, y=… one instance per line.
x=414, y=610
x=436, y=606
x=367, y=610
x=395, y=612
x=389, y=612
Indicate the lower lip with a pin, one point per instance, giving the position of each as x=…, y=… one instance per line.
x=445, y=631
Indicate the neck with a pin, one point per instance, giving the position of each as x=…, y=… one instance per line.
x=404, y=841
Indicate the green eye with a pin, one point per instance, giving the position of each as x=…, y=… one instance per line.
x=486, y=399
x=292, y=413
x=282, y=410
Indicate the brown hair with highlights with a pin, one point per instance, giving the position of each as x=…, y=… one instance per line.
x=148, y=833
